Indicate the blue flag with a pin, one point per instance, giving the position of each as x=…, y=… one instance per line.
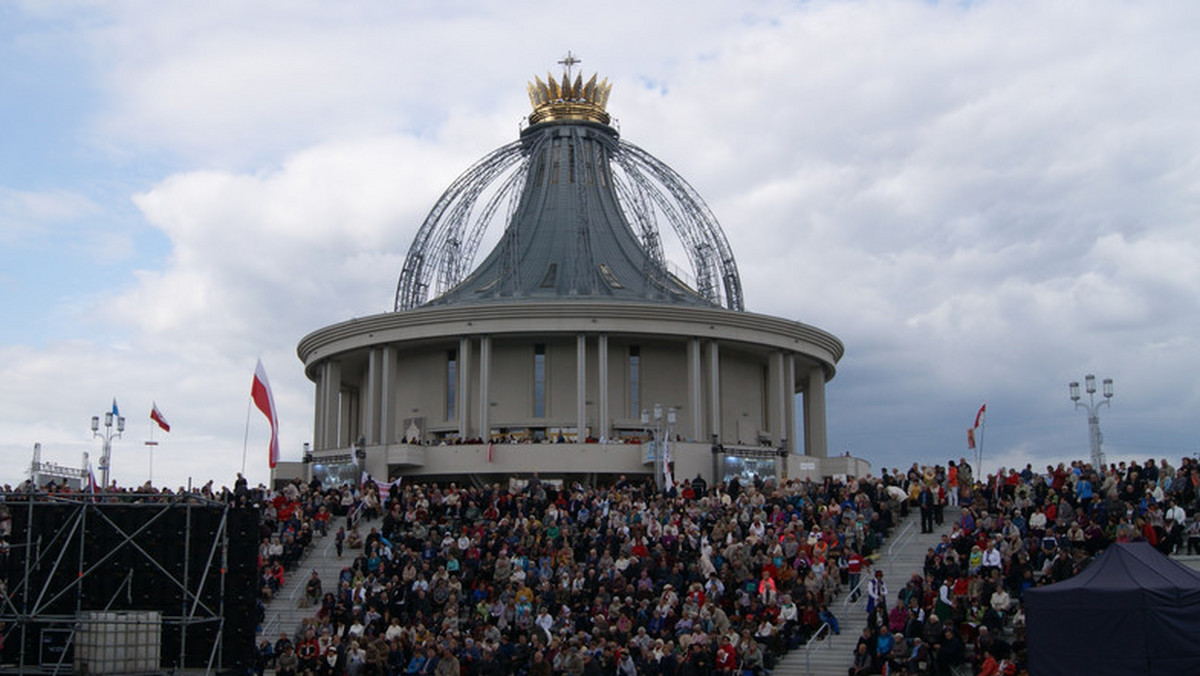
x=116, y=413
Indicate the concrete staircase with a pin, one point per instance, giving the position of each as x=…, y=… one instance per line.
x=284, y=613
x=1190, y=560
x=902, y=555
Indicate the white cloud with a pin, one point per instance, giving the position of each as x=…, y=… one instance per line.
x=26, y=213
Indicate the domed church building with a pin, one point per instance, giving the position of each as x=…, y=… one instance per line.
x=575, y=348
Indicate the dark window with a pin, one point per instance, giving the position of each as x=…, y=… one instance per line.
x=451, y=384
x=539, y=380
x=635, y=381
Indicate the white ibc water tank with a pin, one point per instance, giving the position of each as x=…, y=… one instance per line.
x=118, y=642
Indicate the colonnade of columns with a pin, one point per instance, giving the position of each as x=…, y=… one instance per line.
x=338, y=420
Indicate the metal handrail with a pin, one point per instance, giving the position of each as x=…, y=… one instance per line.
x=824, y=628
x=266, y=628
x=851, y=599
x=904, y=538
x=355, y=514
x=300, y=585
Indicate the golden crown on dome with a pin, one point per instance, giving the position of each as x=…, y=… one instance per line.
x=568, y=100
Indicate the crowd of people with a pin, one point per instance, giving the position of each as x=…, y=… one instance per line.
x=551, y=579
x=963, y=611
x=546, y=579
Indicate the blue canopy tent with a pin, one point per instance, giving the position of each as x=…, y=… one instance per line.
x=1132, y=611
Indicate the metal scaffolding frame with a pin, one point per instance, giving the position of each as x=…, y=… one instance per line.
x=443, y=252
x=33, y=590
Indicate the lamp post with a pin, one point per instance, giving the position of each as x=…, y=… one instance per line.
x=106, y=437
x=1092, y=407
x=658, y=439
x=667, y=441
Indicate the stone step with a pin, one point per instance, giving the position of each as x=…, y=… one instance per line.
x=835, y=655
x=285, y=613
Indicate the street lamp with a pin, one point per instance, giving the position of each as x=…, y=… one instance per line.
x=106, y=437
x=658, y=440
x=1092, y=407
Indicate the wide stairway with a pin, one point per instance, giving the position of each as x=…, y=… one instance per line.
x=288, y=609
x=902, y=555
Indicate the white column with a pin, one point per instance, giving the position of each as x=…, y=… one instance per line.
x=348, y=411
x=602, y=424
x=714, y=389
x=333, y=411
x=464, y=387
x=387, y=397
x=789, y=398
x=371, y=399
x=815, y=443
x=485, y=372
x=319, y=407
x=775, y=398
x=695, y=387
x=580, y=387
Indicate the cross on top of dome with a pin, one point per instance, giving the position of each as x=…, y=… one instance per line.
x=571, y=98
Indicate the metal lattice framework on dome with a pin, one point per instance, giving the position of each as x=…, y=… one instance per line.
x=648, y=191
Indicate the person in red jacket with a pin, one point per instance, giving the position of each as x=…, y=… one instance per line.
x=989, y=667
x=726, y=657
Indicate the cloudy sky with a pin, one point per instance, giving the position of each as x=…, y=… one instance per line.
x=983, y=200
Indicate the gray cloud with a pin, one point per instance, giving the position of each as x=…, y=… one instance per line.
x=983, y=201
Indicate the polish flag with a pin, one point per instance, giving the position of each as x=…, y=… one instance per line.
x=979, y=415
x=157, y=417
x=91, y=479
x=260, y=392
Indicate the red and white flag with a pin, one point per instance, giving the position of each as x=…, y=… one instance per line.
x=979, y=416
x=157, y=416
x=260, y=392
x=490, y=445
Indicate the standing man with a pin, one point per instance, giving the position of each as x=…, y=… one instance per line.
x=1175, y=518
x=877, y=594
x=925, y=501
x=854, y=566
x=952, y=484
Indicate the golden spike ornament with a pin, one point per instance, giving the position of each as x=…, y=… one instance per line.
x=564, y=99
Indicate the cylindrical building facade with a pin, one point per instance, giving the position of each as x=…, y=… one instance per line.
x=574, y=347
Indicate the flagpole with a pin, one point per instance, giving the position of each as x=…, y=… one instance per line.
x=979, y=445
x=151, y=444
x=246, y=436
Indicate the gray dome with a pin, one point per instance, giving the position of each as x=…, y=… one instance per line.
x=580, y=209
